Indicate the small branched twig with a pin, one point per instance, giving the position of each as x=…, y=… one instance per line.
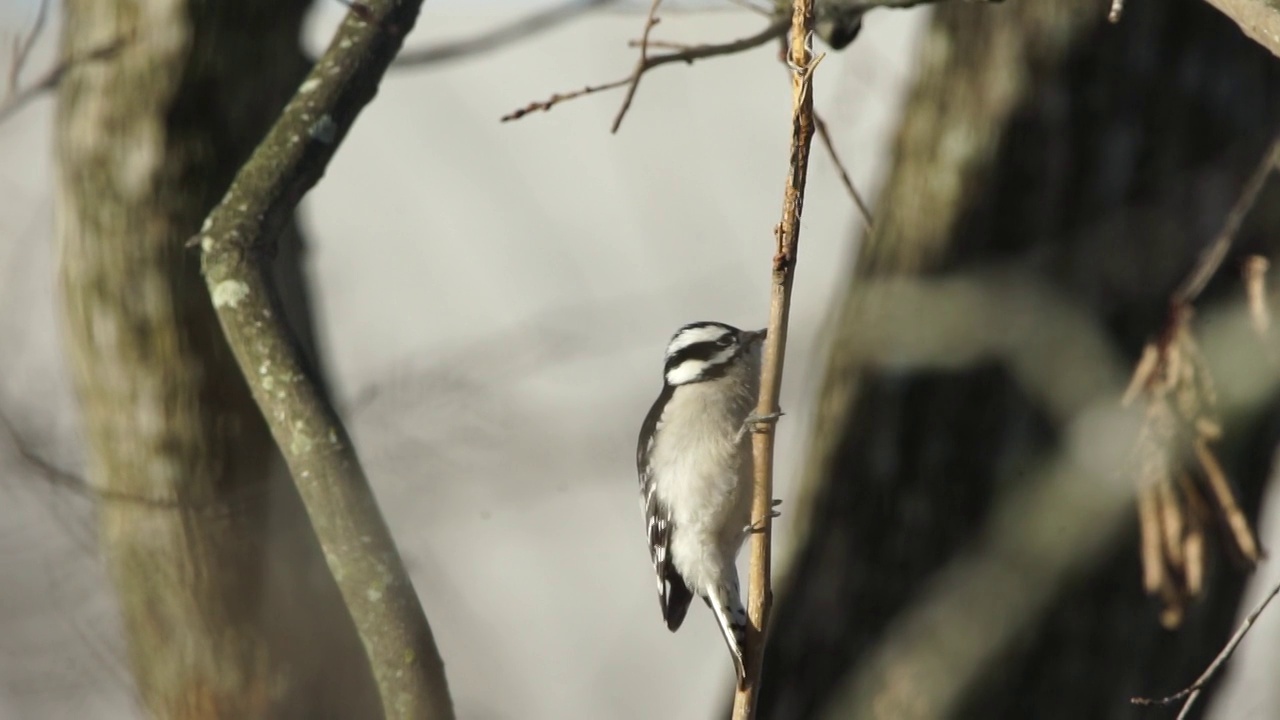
x=774, y=30
x=55, y=475
x=15, y=98
x=1192, y=692
x=64, y=479
x=23, y=45
x=759, y=593
x=636, y=74
x=845, y=180
x=777, y=28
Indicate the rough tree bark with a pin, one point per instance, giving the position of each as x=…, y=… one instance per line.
x=228, y=608
x=1099, y=159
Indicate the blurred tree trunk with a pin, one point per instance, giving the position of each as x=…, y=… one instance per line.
x=1099, y=159
x=228, y=609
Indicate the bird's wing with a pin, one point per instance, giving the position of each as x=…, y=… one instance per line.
x=673, y=594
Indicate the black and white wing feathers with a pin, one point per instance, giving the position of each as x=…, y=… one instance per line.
x=673, y=595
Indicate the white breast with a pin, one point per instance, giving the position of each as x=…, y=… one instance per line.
x=702, y=473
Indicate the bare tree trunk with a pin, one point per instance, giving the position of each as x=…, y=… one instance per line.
x=229, y=610
x=1096, y=160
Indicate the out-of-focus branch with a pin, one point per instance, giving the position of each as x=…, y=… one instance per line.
x=523, y=29
x=759, y=591
x=1047, y=528
x=23, y=45
x=509, y=34
x=1259, y=19
x=16, y=98
x=236, y=241
x=1058, y=355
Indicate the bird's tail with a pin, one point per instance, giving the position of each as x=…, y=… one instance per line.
x=731, y=616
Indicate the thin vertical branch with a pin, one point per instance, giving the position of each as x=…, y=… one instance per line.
x=760, y=594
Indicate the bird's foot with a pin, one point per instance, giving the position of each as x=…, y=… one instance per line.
x=757, y=423
x=759, y=526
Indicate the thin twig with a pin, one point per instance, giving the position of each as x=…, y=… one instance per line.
x=1211, y=259
x=522, y=29
x=844, y=174
x=774, y=30
x=236, y=241
x=663, y=44
x=60, y=477
x=545, y=105
x=22, y=49
x=1192, y=692
x=649, y=22
x=759, y=592
x=15, y=102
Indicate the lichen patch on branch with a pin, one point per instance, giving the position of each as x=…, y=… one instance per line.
x=229, y=293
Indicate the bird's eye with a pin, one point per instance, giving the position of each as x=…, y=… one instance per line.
x=725, y=341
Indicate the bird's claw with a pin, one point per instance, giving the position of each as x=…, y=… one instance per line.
x=759, y=527
x=755, y=423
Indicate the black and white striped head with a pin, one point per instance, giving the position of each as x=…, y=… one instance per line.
x=704, y=351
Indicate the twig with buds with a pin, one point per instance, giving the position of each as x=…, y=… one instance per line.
x=774, y=30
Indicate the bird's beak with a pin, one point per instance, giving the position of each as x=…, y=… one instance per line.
x=753, y=337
